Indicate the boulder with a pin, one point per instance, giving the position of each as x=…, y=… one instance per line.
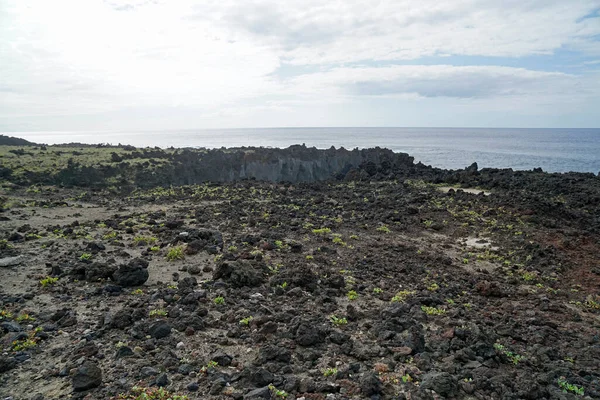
x=87, y=376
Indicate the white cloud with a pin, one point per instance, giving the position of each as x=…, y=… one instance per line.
x=476, y=82
x=317, y=32
x=221, y=57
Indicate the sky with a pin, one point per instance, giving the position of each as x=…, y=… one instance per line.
x=181, y=64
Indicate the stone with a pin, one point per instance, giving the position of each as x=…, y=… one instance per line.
x=162, y=380
x=260, y=393
x=128, y=275
x=261, y=377
x=442, y=383
x=7, y=363
x=87, y=376
x=159, y=329
x=11, y=261
x=124, y=351
x=194, y=269
x=148, y=372
x=370, y=384
x=221, y=358
x=9, y=326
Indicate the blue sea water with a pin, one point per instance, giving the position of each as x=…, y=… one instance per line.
x=554, y=150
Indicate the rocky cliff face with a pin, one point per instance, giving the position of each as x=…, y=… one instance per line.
x=103, y=166
x=294, y=164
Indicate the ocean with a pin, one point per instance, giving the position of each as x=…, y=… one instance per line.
x=554, y=150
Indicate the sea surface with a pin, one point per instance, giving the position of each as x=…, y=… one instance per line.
x=554, y=150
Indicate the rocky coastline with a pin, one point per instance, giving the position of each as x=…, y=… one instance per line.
x=295, y=273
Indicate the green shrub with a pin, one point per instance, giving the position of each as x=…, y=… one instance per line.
x=175, y=253
x=48, y=281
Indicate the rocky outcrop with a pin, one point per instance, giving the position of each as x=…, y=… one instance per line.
x=294, y=164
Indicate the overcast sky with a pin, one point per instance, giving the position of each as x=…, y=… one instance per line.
x=173, y=64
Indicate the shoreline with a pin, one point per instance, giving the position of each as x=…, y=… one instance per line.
x=374, y=283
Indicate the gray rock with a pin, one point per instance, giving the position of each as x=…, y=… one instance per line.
x=194, y=269
x=11, y=261
x=370, y=384
x=261, y=377
x=7, y=363
x=124, y=351
x=148, y=372
x=159, y=329
x=88, y=376
x=130, y=275
x=221, y=358
x=442, y=383
x=260, y=393
x=162, y=380
x=185, y=369
x=9, y=326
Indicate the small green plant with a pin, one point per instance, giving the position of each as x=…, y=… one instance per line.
x=377, y=290
x=4, y=314
x=284, y=285
x=384, y=229
x=433, y=287
x=144, y=393
x=219, y=300
x=352, y=295
x=309, y=257
x=428, y=223
x=279, y=244
x=280, y=394
x=20, y=345
x=85, y=257
x=274, y=269
x=175, y=253
x=246, y=321
x=321, y=231
x=338, y=321
x=137, y=292
x=450, y=301
x=209, y=365
x=528, y=276
x=514, y=358
x=402, y=295
x=24, y=318
x=568, y=387
x=433, y=310
x=591, y=303
x=48, y=281
x=232, y=249
x=329, y=372
x=354, y=237
x=256, y=253
x=338, y=240
x=110, y=235
x=145, y=240
x=406, y=378
x=158, y=313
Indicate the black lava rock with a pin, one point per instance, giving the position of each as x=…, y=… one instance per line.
x=160, y=329
x=88, y=376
